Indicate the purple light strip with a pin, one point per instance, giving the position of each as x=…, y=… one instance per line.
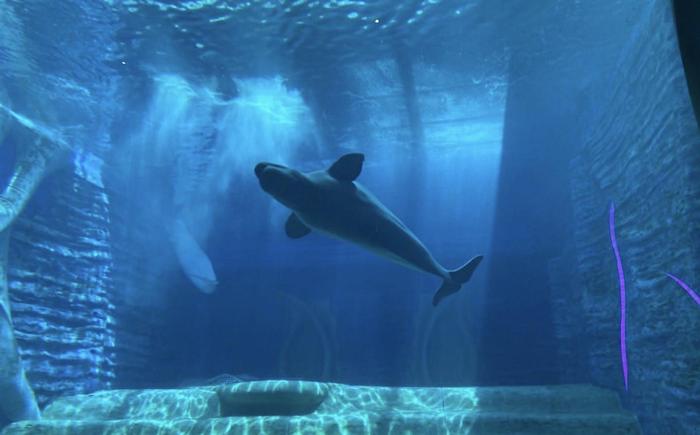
x=623, y=302
x=685, y=287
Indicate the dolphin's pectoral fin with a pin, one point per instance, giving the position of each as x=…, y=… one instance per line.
x=348, y=167
x=295, y=228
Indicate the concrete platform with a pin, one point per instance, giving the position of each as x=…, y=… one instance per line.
x=298, y=407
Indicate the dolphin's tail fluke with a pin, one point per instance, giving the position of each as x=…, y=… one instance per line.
x=457, y=278
x=464, y=273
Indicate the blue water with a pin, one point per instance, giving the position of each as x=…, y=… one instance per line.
x=469, y=114
x=208, y=90
x=179, y=100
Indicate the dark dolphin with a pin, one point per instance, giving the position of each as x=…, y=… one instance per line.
x=331, y=202
x=687, y=18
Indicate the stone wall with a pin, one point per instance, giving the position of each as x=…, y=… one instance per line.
x=640, y=150
x=60, y=286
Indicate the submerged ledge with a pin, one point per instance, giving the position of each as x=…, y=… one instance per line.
x=286, y=407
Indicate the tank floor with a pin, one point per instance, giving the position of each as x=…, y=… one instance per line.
x=286, y=407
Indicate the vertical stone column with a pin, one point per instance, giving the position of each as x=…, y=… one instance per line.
x=530, y=225
x=17, y=399
x=642, y=151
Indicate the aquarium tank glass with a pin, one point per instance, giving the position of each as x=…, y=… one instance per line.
x=350, y=217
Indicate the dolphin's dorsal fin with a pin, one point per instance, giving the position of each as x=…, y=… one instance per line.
x=295, y=228
x=348, y=167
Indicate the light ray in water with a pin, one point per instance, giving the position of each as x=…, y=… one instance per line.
x=685, y=287
x=43, y=131
x=623, y=302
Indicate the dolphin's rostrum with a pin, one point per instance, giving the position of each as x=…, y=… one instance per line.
x=331, y=201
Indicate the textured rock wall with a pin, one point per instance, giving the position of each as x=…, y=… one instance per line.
x=141, y=283
x=60, y=286
x=641, y=150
